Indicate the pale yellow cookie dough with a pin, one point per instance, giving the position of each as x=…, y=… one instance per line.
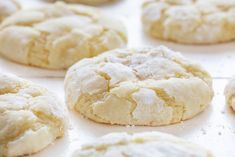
x=229, y=93
x=31, y=117
x=190, y=21
x=154, y=86
x=58, y=35
x=147, y=144
x=8, y=7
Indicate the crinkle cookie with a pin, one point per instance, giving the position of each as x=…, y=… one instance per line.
x=229, y=93
x=31, y=117
x=190, y=21
x=58, y=35
x=148, y=144
x=8, y=7
x=154, y=86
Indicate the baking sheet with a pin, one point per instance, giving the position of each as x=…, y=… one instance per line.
x=214, y=128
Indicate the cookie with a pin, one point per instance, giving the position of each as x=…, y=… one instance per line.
x=153, y=86
x=58, y=35
x=147, y=144
x=31, y=117
x=190, y=21
x=8, y=7
x=229, y=93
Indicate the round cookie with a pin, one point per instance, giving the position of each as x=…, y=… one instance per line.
x=8, y=7
x=31, y=117
x=57, y=35
x=154, y=86
x=190, y=21
x=229, y=93
x=148, y=144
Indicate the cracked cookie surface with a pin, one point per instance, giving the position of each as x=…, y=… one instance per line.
x=229, y=93
x=190, y=21
x=31, y=117
x=57, y=35
x=146, y=144
x=154, y=86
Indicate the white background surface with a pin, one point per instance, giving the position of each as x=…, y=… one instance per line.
x=213, y=129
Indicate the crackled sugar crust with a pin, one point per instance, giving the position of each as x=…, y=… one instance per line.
x=8, y=7
x=190, y=21
x=154, y=86
x=229, y=93
x=57, y=35
x=31, y=118
x=146, y=144
x=92, y=2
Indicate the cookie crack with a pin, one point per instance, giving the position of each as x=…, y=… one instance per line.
x=24, y=128
x=49, y=120
x=10, y=90
x=195, y=72
x=169, y=101
x=96, y=39
x=43, y=55
x=202, y=75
